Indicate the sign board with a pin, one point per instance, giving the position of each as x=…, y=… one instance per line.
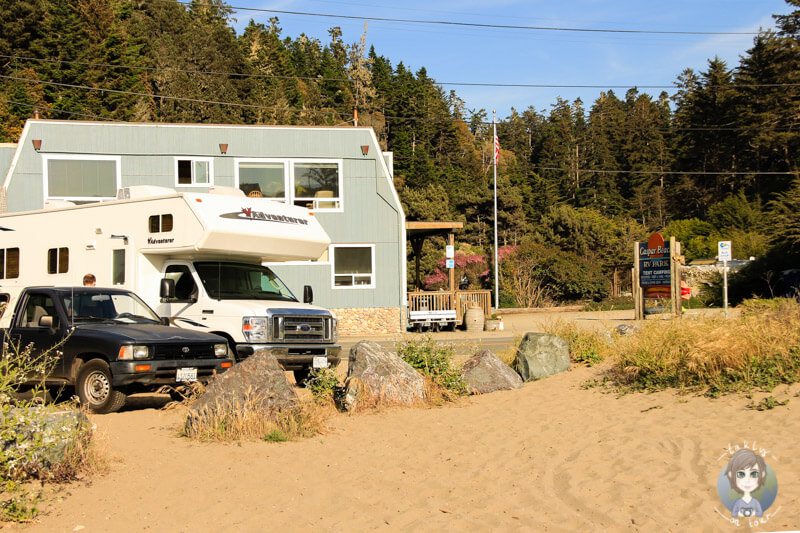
x=450, y=263
x=724, y=251
x=654, y=263
x=449, y=251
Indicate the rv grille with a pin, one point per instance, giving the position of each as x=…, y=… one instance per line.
x=183, y=351
x=301, y=328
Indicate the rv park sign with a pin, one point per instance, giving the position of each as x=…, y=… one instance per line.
x=654, y=262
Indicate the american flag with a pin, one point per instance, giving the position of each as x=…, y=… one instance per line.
x=496, y=150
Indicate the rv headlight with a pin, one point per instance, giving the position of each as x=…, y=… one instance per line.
x=255, y=328
x=221, y=350
x=128, y=353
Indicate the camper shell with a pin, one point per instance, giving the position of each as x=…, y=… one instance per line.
x=193, y=257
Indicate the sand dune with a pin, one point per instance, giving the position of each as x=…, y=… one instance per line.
x=550, y=456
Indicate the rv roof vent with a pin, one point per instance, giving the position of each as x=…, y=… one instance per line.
x=227, y=191
x=55, y=204
x=142, y=191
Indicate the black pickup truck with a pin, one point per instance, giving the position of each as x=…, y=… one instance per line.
x=114, y=343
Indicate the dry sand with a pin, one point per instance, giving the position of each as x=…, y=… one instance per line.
x=550, y=456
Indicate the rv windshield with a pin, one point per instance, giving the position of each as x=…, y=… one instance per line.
x=240, y=281
x=94, y=305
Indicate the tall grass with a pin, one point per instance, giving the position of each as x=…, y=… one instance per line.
x=757, y=350
x=587, y=347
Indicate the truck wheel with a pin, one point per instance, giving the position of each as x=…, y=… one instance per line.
x=301, y=376
x=95, y=390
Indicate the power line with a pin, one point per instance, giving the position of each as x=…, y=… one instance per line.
x=46, y=108
x=348, y=80
x=673, y=172
x=467, y=24
x=178, y=98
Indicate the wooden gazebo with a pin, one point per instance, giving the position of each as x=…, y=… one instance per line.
x=451, y=299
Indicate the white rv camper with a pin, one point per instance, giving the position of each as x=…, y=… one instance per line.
x=209, y=246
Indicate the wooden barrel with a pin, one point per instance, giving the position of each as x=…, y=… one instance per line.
x=473, y=319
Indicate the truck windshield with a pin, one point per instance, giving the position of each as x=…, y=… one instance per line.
x=240, y=281
x=96, y=305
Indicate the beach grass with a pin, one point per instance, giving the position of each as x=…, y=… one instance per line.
x=759, y=349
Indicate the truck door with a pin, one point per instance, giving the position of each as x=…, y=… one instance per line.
x=183, y=306
x=28, y=330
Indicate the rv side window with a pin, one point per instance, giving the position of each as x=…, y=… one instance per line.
x=57, y=260
x=118, y=267
x=9, y=263
x=160, y=223
x=196, y=171
x=185, y=287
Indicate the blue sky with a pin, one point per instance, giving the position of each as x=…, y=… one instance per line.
x=512, y=56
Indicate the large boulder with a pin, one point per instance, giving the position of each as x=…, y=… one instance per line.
x=382, y=378
x=257, y=383
x=36, y=438
x=540, y=355
x=484, y=372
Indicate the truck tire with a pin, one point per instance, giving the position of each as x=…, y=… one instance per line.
x=95, y=390
x=301, y=376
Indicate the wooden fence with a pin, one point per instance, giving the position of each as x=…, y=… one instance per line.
x=445, y=301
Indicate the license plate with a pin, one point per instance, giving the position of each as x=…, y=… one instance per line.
x=186, y=374
x=320, y=361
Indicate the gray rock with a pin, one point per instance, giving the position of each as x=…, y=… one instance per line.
x=258, y=382
x=540, y=355
x=39, y=437
x=484, y=372
x=381, y=377
x=625, y=329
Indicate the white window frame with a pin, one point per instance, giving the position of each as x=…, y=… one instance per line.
x=340, y=198
x=332, y=262
x=193, y=159
x=46, y=158
x=287, y=177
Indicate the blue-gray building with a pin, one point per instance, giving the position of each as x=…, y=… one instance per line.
x=340, y=173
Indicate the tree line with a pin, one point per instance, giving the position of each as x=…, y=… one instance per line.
x=576, y=186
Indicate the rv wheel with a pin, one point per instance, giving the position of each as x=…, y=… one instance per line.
x=95, y=390
x=301, y=376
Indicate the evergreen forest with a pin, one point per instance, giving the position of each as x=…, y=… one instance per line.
x=577, y=184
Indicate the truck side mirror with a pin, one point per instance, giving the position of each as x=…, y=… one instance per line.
x=308, y=294
x=164, y=321
x=167, y=290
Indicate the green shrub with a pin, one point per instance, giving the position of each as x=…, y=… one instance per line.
x=35, y=454
x=585, y=347
x=435, y=361
x=323, y=384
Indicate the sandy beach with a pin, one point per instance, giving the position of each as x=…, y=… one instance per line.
x=552, y=456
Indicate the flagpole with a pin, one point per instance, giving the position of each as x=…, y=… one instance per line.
x=496, y=154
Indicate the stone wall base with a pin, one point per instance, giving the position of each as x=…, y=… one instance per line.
x=369, y=320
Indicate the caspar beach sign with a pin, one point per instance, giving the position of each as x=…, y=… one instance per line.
x=654, y=267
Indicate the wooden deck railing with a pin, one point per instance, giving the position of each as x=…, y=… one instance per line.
x=442, y=301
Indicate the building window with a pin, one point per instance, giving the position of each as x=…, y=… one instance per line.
x=81, y=178
x=9, y=263
x=353, y=266
x=263, y=179
x=313, y=184
x=57, y=260
x=118, y=267
x=316, y=185
x=196, y=171
x=160, y=223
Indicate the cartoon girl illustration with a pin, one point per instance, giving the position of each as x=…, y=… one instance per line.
x=746, y=473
